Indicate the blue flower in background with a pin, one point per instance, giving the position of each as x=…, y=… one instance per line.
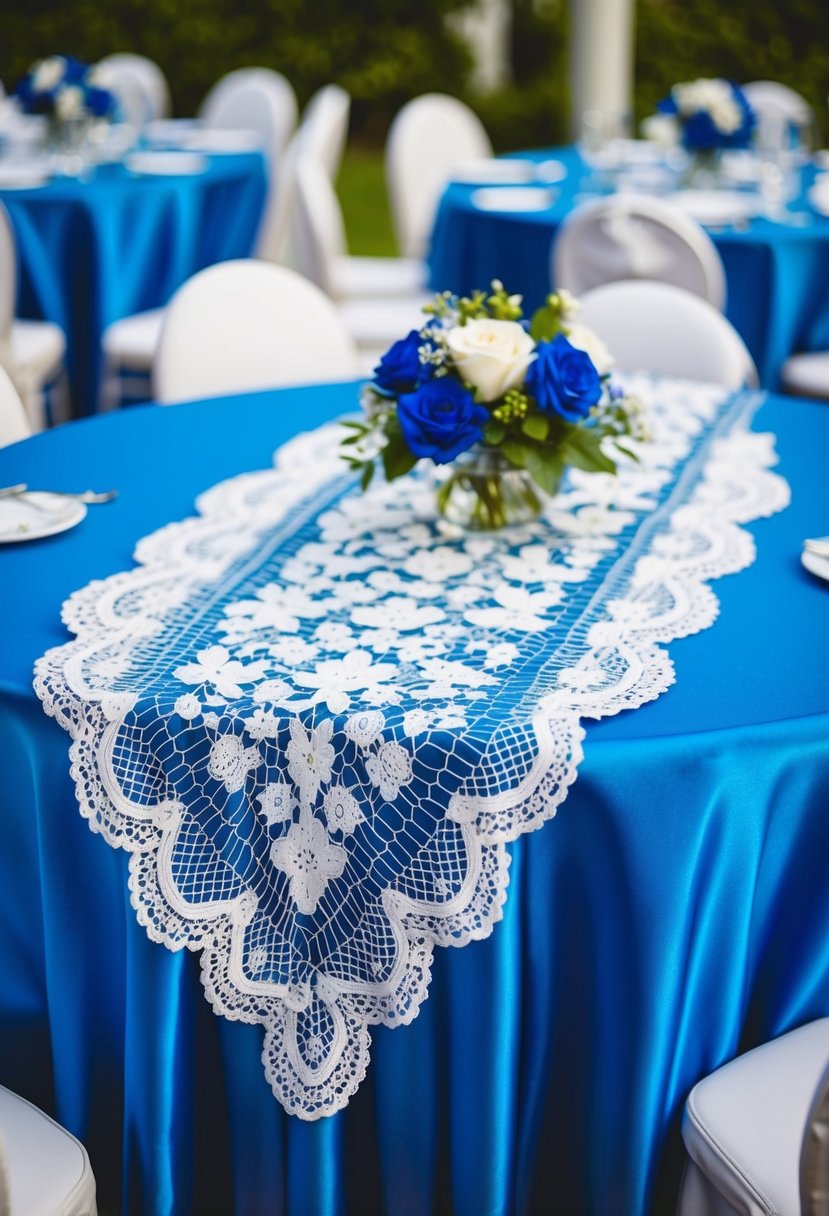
x=400, y=368
x=712, y=114
x=441, y=419
x=563, y=380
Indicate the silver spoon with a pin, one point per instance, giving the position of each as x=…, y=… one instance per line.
x=88, y=496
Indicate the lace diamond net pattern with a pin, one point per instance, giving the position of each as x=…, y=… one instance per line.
x=316, y=719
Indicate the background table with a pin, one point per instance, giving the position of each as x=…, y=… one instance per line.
x=92, y=252
x=675, y=912
x=776, y=273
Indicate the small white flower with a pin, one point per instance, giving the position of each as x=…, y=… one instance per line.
x=310, y=860
x=517, y=611
x=334, y=635
x=342, y=811
x=415, y=722
x=118, y=704
x=261, y=725
x=334, y=679
x=438, y=565
x=277, y=802
x=257, y=959
x=310, y=756
x=584, y=339
x=389, y=769
x=230, y=761
x=187, y=706
x=398, y=612
x=414, y=649
x=292, y=650
x=500, y=655
x=365, y=728
x=214, y=666
x=271, y=692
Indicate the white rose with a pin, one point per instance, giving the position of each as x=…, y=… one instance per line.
x=492, y=356
x=69, y=103
x=661, y=129
x=48, y=73
x=592, y=345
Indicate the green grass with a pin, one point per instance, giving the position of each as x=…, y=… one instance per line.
x=361, y=187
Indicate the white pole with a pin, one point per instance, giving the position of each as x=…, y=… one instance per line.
x=486, y=28
x=601, y=63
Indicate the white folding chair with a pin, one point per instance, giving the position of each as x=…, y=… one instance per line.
x=31, y=351
x=254, y=99
x=770, y=98
x=757, y=1132
x=428, y=138
x=323, y=251
x=324, y=128
x=46, y=1171
x=659, y=328
x=245, y=325
x=374, y=321
x=634, y=236
x=14, y=425
x=139, y=84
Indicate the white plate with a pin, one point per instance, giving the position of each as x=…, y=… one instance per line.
x=483, y=172
x=550, y=171
x=23, y=177
x=513, y=198
x=716, y=206
x=815, y=564
x=169, y=130
x=38, y=513
x=219, y=140
x=166, y=164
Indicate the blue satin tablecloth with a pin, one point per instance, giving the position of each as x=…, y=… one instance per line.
x=674, y=913
x=776, y=273
x=93, y=251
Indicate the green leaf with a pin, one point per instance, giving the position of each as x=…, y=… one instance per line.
x=546, y=323
x=515, y=452
x=349, y=439
x=368, y=473
x=582, y=449
x=536, y=426
x=621, y=447
x=494, y=432
x=397, y=459
x=545, y=466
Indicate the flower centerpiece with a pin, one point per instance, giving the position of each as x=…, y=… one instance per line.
x=706, y=116
x=503, y=406
x=71, y=95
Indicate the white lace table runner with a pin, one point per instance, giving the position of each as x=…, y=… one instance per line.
x=316, y=719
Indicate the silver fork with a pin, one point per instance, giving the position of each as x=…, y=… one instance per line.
x=88, y=496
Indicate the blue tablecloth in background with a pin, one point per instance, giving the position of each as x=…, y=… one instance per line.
x=92, y=252
x=674, y=913
x=776, y=273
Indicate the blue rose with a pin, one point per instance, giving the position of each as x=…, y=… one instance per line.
x=99, y=102
x=441, y=419
x=563, y=380
x=400, y=368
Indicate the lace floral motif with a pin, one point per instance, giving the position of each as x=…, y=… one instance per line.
x=316, y=719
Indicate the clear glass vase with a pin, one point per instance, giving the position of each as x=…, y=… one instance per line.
x=482, y=491
x=705, y=170
x=68, y=145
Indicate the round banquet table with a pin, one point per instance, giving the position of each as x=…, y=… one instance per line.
x=674, y=913
x=91, y=251
x=776, y=272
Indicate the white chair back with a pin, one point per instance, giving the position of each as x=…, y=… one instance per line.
x=47, y=1168
x=245, y=325
x=140, y=86
x=319, y=232
x=254, y=99
x=659, y=328
x=634, y=236
x=324, y=127
x=428, y=138
x=14, y=423
x=770, y=97
x=8, y=279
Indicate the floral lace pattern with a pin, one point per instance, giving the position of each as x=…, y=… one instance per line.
x=316, y=719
